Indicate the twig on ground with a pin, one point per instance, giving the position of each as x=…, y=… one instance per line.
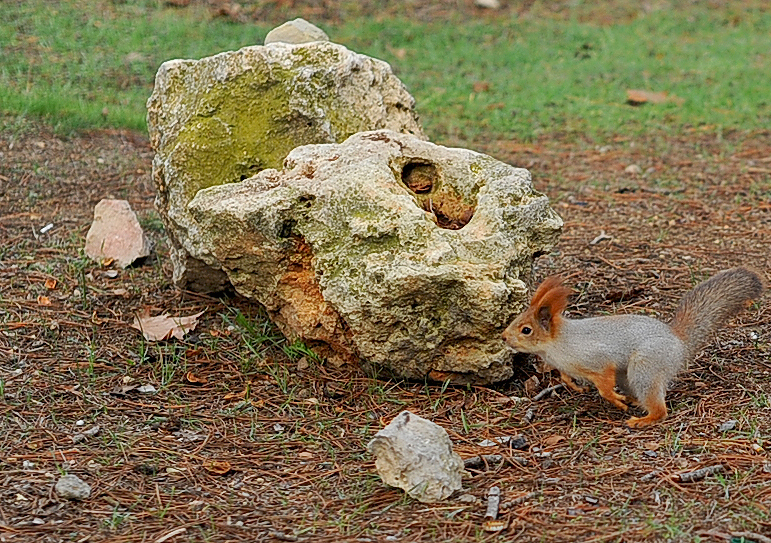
x=699, y=474
x=493, y=503
x=520, y=499
x=476, y=461
x=547, y=391
x=752, y=536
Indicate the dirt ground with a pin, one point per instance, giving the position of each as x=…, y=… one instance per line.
x=245, y=441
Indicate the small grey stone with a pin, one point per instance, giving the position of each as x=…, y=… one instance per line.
x=728, y=425
x=518, y=442
x=633, y=169
x=77, y=438
x=92, y=431
x=467, y=498
x=72, y=487
x=416, y=455
x=515, y=442
x=296, y=31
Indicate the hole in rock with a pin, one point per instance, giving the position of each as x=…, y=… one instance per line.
x=286, y=228
x=443, y=202
x=419, y=178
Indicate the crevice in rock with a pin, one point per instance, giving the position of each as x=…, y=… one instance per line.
x=250, y=171
x=450, y=211
x=305, y=313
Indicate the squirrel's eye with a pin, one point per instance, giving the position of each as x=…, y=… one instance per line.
x=526, y=330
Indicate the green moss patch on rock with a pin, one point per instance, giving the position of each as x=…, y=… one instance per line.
x=225, y=118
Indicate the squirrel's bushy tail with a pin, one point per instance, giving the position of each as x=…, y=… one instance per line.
x=711, y=303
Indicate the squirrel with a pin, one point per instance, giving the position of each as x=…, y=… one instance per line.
x=641, y=355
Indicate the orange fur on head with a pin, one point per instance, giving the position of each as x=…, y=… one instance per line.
x=549, y=301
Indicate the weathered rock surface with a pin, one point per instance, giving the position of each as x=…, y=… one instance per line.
x=385, y=248
x=414, y=454
x=116, y=234
x=72, y=487
x=224, y=118
x=296, y=31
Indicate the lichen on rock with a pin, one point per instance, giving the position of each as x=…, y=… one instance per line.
x=386, y=249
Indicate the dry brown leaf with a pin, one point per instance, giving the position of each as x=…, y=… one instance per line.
x=531, y=385
x=636, y=97
x=43, y=300
x=193, y=379
x=235, y=395
x=218, y=467
x=50, y=284
x=553, y=440
x=163, y=327
x=652, y=445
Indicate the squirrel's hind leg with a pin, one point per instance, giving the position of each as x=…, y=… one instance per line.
x=655, y=405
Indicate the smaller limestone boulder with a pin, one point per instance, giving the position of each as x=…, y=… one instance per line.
x=416, y=455
x=116, y=234
x=72, y=487
x=297, y=31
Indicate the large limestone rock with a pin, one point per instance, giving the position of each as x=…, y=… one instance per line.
x=415, y=454
x=385, y=248
x=224, y=118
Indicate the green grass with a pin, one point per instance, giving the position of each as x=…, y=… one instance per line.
x=92, y=64
x=508, y=78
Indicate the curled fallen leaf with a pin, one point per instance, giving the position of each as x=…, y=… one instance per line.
x=193, y=379
x=494, y=525
x=553, y=440
x=235, y=395
x=217, y=467
x=43, y=300
x=163, y=327
x=51, y=284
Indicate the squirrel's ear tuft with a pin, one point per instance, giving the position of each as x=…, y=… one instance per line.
x=549, y=301
x=550, y=283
